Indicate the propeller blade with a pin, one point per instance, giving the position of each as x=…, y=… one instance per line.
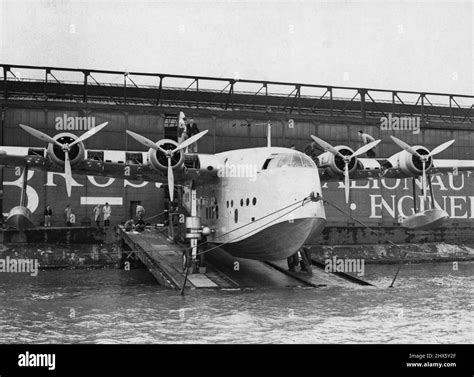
x=423, y=179
x=405, y=146
x=346, y=180
x=67, y=173
x=189, y=141
x=89, y=133
x=441, y=148
x=40, y=135
x=365, y=148
x=145, y=141
x=326, y=146
x=170, y=179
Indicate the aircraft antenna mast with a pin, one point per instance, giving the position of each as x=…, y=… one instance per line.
x=269, y=134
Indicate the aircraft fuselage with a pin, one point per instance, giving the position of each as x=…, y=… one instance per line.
x=255, y=205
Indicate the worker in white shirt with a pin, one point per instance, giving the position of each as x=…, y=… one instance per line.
x=107, y=211
x=366, y=139
x=140, y=212
x=182, y=129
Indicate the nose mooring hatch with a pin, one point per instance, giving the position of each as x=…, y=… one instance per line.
x=191, y=161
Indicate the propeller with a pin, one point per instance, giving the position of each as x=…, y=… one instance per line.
x=406, y=147
x=346, y=158
x=88, y=134
x=65, y=147
x=40, y=135
x=423, y=157
x=169, y=153
x=67, y=172
x=326, y=146
x=146, y=142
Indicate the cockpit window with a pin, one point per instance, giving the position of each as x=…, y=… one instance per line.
x=282, y=160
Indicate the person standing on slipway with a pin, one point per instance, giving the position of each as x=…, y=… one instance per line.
x=47, y=216
x=107, y=211
x=96, y=212
x=68, y=213
x=140, y=212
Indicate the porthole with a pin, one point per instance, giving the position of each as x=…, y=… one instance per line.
x=227, y=203
x=231, y=203
x=254, y=201
x=241, y=202
x=247, y=202
x=236, y=215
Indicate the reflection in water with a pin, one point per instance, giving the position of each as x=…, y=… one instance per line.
x=431, y=303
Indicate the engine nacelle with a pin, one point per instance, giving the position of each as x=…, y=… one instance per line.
x=159, y=160
x=408, y=164
x=334, y=164
x=56, y=153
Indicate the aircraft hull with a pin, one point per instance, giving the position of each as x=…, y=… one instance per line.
x=278, y=241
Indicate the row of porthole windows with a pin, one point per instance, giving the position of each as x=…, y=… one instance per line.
x=247, y=202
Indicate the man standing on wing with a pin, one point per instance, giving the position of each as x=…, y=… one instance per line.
x=366, y=139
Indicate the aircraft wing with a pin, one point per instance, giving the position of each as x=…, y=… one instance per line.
x=36, y=159
x=453, y=166
x=380, y=168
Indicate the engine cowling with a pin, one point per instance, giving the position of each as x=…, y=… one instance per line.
x=56, y=153
x=159, y=160
x=334, y=164
x=410, y=165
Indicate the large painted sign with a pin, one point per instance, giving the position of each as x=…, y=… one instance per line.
x=393, y=198
x=371, y=200
x=48, y=188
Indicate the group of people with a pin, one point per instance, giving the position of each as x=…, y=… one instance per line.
x=105, y=212
x=139, y=226
x=70, y=218
x=186, y=129
x=48, y=214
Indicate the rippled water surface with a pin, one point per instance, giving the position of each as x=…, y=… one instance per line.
x=431, y=303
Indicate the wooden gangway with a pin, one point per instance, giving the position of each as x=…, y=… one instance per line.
x=163, y=258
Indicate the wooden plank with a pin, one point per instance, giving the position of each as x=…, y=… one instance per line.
x=201, y=281
x=156, y=272
x=158, y=266
x=164, y=259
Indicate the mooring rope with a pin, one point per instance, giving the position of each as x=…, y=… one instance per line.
x=242, y=235
x=260, y=227
x=375, y=232
x=302, y=202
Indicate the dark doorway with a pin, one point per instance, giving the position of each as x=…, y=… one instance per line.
x=171, y=127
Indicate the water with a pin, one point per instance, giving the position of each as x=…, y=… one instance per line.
x=431, y=303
